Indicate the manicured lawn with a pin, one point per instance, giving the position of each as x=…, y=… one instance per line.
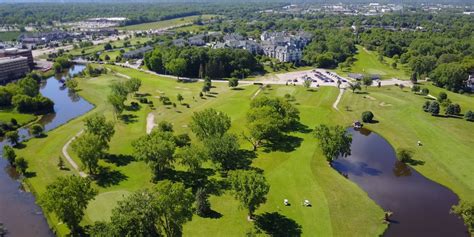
x=166, y=23
x=368, y=63
x=340, y=207
x=7, y=115
x=135, y=41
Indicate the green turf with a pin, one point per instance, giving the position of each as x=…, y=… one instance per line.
x=367, y=63
x=22, y=119
x=166, y=23
x=340, y=208
x=135, y=41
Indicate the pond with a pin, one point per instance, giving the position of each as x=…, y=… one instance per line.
x=420, y=206
x=18, y=210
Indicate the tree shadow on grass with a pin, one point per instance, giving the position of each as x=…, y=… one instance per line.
x=129, y=118
x=119, y=159
x=285, y=143
x=277, y=225
x=107, y=177
x=189, y=179
x=238, y=89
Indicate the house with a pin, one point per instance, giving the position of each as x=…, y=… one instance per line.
x=138, y=53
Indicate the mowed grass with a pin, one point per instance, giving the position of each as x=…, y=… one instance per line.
x=7, y=115
x=167, y=23
x=118, y=44
x=367, y=62
x=340, y=207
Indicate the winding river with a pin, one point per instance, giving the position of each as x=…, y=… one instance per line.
x=18, y=210
x=421, y=207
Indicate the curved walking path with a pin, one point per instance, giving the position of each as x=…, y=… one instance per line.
x=150, y=122
x=341, y=92
x=68, y=157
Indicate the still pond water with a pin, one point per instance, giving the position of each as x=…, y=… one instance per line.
x=18, y=210
x=421, y=207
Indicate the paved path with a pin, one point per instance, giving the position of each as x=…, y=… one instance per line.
x=341, y=92
x=150, y=122
x=68, y=157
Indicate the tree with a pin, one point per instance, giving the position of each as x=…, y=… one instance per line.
x=13, y=137
x=307, y=83
x=442, y=96
x=168, y=208
x=334, y=141
x=250, y=188
x=107, y=46
x=233, y=82
x=469, y=116
x=465, y=209
x=180, y=98
x=209, y=123
x=107, y=57
x=72, y=84
x=175, y=207
x=117, y=103
x=425, y=91
x=426, y=106
x=354, y=86
x=192, y=157
x=404, y=155
x=99, y=126
x=61, y=165
x=156, y=149
x=165, y=126
x=367, y=117
x=21, y=165
x=176, y=67
x=367, y=81
x=451, y=76
x=264, y=123
x=68, y=197
x=434, y=108
x=89, y=148
x=133, y=85
x=223, y=151
x=9, y=154
x=36, y=130
x=415, y=88
x=203, y=207
x=453, y=109
x=414, y=78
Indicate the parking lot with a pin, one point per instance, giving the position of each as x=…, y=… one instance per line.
x=319, y=77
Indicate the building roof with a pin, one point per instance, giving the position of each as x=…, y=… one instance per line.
x=5, y=60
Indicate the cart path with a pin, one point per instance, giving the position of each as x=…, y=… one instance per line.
x=68, y=157
x=341, y=92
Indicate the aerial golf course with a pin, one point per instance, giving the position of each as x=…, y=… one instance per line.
x=296, y=171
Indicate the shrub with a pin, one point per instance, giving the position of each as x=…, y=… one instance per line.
x=434, y=108
x=426, y=106
x=425, y=91
x=367, y=117
x=453, y=109
x=442, y=96
x=415, y=88
x=36, y=130
x=404, y=155
x=469, y=116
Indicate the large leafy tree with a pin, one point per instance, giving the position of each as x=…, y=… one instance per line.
x=465, y=209
x=192, y=157
x=89, y=148
x=9, y=154
x=68, y=197
x=99, y=126
x=209, y=123
x=156, y=149
x=223, y=151
x=334, y=141
x=250, y=188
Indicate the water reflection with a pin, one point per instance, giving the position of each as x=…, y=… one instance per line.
x=420, y=206
x=17, y=208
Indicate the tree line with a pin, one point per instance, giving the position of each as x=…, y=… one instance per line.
x=199, y=62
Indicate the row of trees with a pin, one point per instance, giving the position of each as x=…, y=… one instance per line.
x=199, y=62
x=120, y=92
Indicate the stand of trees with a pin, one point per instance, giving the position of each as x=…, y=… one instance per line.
x=198, y=62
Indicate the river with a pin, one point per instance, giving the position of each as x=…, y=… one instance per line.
x=19, y=213
x=420, y=206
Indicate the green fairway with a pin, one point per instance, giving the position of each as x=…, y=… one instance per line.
x=367, y=63
x=340, y=207
x=118, y=44
x=167, y=23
